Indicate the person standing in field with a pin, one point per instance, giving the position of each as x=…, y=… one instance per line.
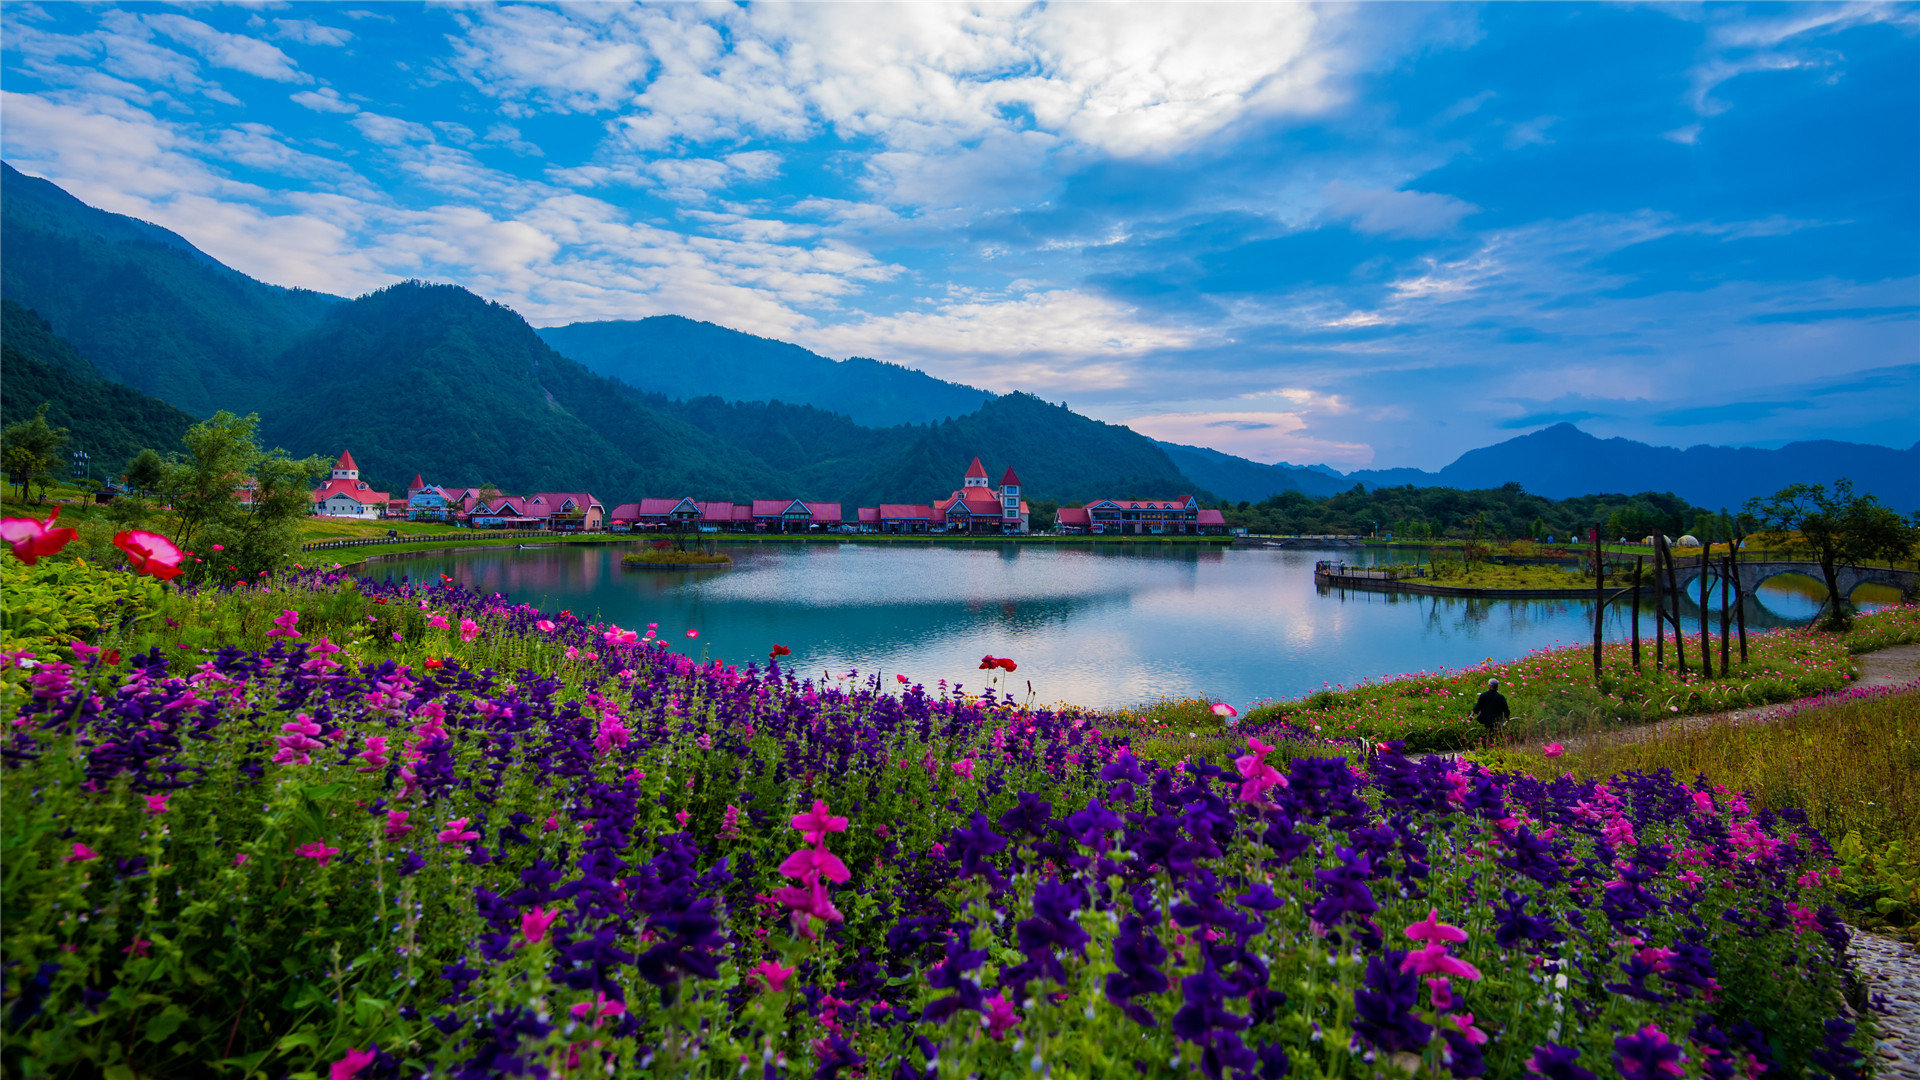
x=1490, y=708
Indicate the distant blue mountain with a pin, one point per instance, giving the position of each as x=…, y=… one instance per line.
x=684, y=358
x=1237, y=479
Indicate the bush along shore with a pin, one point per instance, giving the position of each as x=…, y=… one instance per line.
x=1552, y=692
x=316, y=826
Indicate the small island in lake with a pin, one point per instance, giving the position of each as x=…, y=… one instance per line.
x=670, y=559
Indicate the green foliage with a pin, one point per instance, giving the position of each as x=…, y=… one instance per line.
x=222, y=458
x=1832, y=529
x=1552, y=695
x=1434, y=512
x=30, y=451
x=109, y=421
x=58, y=600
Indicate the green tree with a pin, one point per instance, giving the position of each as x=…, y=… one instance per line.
x=30, y=451
x=224, y=456
x=1833, y=529
x=146, y=472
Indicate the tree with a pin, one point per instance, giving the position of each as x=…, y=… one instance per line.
x=30, y=451
x=223, y=456
x=1832, y=529
x=146, y=472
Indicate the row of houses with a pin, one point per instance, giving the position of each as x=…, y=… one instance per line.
x=975, y=508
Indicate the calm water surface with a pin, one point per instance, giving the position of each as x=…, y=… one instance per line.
x=1099, y=626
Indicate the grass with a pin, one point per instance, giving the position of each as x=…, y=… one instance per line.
x=674, y=558
x=1851, y=760
x=1492, y=576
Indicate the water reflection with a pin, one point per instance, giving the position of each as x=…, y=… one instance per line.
x=1096, y=625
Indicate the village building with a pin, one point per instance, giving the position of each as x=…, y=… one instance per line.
x=1180, y=516
x=346, y=495
x=979, y=508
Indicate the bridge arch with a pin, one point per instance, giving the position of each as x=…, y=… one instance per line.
x=1753, y=574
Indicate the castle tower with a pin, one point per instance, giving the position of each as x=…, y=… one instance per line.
x=1010, y=495
x=345, y=469
x=976, y=475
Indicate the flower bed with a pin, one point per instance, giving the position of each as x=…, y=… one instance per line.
x=1552, y=691
x=375, y=830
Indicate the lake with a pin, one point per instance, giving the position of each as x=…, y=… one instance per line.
x=1103, y=626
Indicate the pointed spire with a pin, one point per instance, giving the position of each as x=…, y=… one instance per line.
x=976, y=470
x=1010, y=479
x=346, y=461
x=418, y=484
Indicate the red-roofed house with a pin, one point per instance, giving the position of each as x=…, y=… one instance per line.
x=566, y=511
x=825, y=515
x=869, y=519
x=1212, y=523
x=346, y=495
x=905, y=517
x=1137, y=517
x=783, y=515
x=978, y=508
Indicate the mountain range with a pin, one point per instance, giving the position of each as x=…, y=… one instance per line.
x=127, y=330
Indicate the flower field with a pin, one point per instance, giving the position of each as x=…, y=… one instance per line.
x=319, y=827
x=1552, y=690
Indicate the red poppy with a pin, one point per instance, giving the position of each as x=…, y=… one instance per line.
x=434, y=662
x=32, y=538
x=1005, y=664
x=446, y=577
x=151, y=553
x=379, y=599
x=780, y=650
x=988, y=663
x=112, y=657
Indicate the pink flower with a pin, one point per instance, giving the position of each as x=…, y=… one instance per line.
x=1442, y=993
x=396, y=826
x=545, y=626
x=286, y=624
x=81, y=853
x=1258, y=776
x=456, y=832
x=730, y=823
x=617, y=636
x=599, y=1007
x=348, y=1068
x=318, y=850
x=1000, y=1016
x=962, y=768
x=1703, y=804
x=438, y=622
x=219, y=547
x=156, y=804
x=1434, y=959
x=816, y=823
x=1464, y=1021
x=552, y=824
x=375, y=755
x=774, y=975
x=902, y=678
x=1553, y=750
x=809, y=861
x=693, y=633
x=139, y=947
x=534, y=923
x=1222, y=709
x=1432, y=929
x=151, y=553
x=681, y=817
x=469, y=630
x=32, y=538
x=240, y=859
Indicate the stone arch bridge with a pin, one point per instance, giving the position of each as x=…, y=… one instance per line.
x=1751, y=574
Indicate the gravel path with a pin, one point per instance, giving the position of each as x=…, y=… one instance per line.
x=1898, y=666
x=1891, y=969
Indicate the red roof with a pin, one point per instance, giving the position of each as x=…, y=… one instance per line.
x=742, y=512
x=718, y=511
x=906, y=512
x=976, y=505
x=825, y=513
x=1212, y=517
x=1146, y=504
x=1071, y=515
x=773, y=507
x=418, y=484
x=659, y=507
x=1009, y=479
x=346, y=461
x=976, y=469
x=357, y=490
x=625, y=512
x=550, y=502
x=869, y=515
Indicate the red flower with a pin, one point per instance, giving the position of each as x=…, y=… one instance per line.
x=32, y=538
x=988, y=663
x=779, y=650
x=434, y=662
x=151, y=553
x=1005, y=664
x=112, y=657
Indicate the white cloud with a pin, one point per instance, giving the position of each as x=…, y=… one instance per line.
x=308, y=32
x=1261, y=436
x=325, y=99
x=1780, y=40
x=234, y=51
x=1396, y=213
x=391, y=130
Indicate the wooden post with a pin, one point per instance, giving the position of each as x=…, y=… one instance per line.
x=1727, y=615
x=1638, y=560
x=1673, y=596
x=1740, y=611
x=1706, y=628
x=1599, y=604
x=1659, y=612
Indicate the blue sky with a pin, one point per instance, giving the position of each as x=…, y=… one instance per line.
x=1375, y=234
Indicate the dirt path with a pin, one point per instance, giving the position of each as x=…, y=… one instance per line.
x=1891, y=970
x=1898, y=666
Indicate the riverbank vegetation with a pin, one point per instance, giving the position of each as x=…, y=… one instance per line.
x=1552, y=691
x=670, y=557
x=1427, y=513
x=320, y=826
x=1849, y=760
